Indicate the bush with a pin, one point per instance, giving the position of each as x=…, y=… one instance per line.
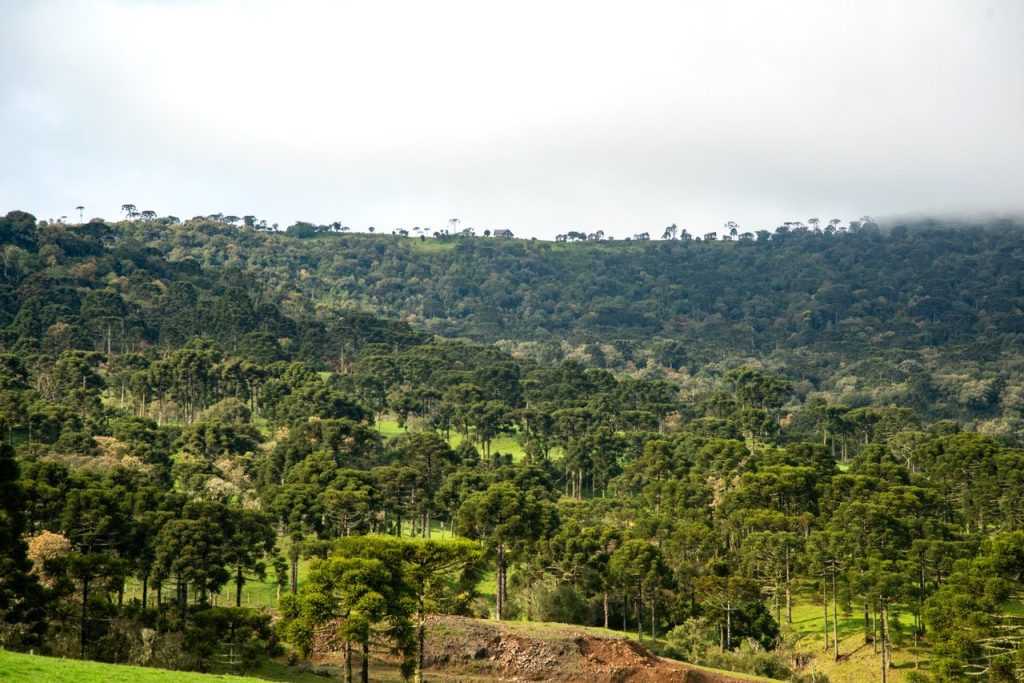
x=562, y=604
x=230, y=635
x=692, y=640
x=696, y=641
x=751, y=658
x=228, y=410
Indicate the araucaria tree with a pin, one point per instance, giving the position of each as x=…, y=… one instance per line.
x=507, y=520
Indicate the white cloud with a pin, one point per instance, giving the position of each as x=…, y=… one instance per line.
x=539, y=116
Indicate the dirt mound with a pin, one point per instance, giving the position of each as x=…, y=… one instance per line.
x=550, y=652
x=463, y=649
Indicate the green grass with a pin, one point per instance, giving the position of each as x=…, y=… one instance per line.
x=859, y=662
x=255, y=593
x=505, y=443
x=1014, y=608
x=263, y=594
x=389, y=427
x=431, y=246
x=488, y=589
x=809, y=620
x=22, y=668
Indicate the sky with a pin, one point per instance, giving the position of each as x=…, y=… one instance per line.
x=541, y=117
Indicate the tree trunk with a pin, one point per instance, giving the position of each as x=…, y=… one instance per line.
x=789, y=592
x=348, y=661
x=835, y=616
x=824, y=604
x=365, y=671
x=294, y=575
x=421, y=639
x=145, y=589
x=874, y=631
x=239, y=580
x=884, y=638
x=918, y=626
x=500, y=579
x=653, y=602
x=84, y=617
x=606, y=609
x=728, y=626
x=639, y=609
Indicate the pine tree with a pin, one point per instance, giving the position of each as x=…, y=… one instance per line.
x=21, y=597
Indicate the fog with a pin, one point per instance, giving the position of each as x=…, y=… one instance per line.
x=540, y=117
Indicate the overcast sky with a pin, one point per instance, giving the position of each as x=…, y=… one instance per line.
x=540, y=117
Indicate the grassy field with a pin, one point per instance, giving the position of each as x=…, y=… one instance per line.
x=858, y=660
x=505, y=443
x=22, y=668
x=809, y=621
x=430, y=246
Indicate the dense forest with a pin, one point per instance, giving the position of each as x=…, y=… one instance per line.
x=926, y=315
x=688, y=440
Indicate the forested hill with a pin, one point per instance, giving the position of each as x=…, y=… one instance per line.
x=928, y=284
x=115, y=288
x=911, y=287
x=924, y=285
x=928, y=315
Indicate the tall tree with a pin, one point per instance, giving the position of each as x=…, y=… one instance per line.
x=508, y=520
x=21, y=598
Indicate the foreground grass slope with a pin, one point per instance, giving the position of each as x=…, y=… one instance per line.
x=22, y=668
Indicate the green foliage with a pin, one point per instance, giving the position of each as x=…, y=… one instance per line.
x=21, y=598
x=239, y=637
x=360, y=598
x=678, y=437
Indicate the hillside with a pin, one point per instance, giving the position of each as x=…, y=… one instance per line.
x=925, y=315
x=929, y=283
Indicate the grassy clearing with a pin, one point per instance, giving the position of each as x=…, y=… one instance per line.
x=505, y=443
x=858, y=660
x=389, y=427
x=430, y=246
x=1014, y=608
x=255, y=594
x=809, y=621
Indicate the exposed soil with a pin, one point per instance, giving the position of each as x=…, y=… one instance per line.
x=460, y=648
